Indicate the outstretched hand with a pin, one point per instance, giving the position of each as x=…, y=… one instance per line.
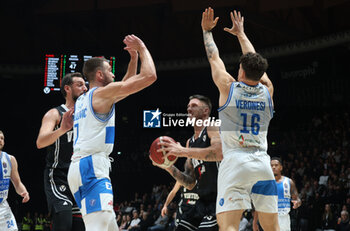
x=132, y=42
x=237, y=24
x=208, y=21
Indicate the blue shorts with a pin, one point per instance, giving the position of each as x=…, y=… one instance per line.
x=88, y=179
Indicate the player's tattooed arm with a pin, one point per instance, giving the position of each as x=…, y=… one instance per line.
x=295, y=195
x=209, y=44
x=186, y=178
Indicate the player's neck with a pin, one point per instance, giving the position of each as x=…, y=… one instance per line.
x=197, y=131
x=250, y=82
x=69, y=103
x=278, y=177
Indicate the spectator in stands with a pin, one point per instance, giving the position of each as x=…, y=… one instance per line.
x=124, y=223
x=135, y=221
x=343, y=222
x=328, y=219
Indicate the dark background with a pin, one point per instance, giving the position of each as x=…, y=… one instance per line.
x=307, y=44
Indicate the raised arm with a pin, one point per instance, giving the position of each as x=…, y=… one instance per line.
x=132, y=66
x=170, y=197
x=47, y=134
x=237, y=29
x=211, y=153
x=221, y=77
x=16, y=180
x=105, y=97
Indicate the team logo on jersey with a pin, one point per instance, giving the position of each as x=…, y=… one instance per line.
x=63, y=188
x=221, y=202
x=151, y=118
x=204, y=138
x=92, y=202
x=4, y=166
x=241, y=140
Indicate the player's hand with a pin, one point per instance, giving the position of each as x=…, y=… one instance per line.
x=164, y=211
x=171, y=148
x=67, y=120
x=132, y=42
x=25, y=196
x=208, y=21
x=296, y=203
x=237, y=24
x=158, y=165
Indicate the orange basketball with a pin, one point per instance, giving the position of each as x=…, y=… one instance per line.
x=157, y=157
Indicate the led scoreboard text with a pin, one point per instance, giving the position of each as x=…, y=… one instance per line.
x=57, y=66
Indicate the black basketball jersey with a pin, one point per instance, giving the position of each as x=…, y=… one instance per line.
x=206, y=172
x=188, y=200
x=59, y=153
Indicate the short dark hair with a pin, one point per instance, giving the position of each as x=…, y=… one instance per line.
x=68, y=81
x=91, y=66
x=204, y=99
x=254, y=65
x=277, y=158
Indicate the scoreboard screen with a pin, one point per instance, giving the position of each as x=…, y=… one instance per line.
x=57, y=66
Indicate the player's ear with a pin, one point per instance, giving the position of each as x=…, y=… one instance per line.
x=99, y=75
x=67, y=88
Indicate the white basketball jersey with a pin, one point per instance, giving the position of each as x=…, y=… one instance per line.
x=245, y=118
x=92, y=133
x=5, y=175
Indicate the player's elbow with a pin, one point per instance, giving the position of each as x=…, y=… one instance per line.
x=151, y=78
x=191, y=186
x=39, y=144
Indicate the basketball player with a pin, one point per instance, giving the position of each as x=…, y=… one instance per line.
x=245, y=111
x=203, y=150
x=185, y=208
x=287, y=193
x=88, y=175
x=56, y=134
x=9, y=171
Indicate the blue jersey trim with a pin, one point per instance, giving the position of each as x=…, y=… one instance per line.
x=110, y=114
x=270, y=101
x=265, y=187
x=228, y=98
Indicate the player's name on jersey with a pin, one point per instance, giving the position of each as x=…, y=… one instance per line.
x=80, y=114
x=211, y=121
x=250, y=105
x=191, y=196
